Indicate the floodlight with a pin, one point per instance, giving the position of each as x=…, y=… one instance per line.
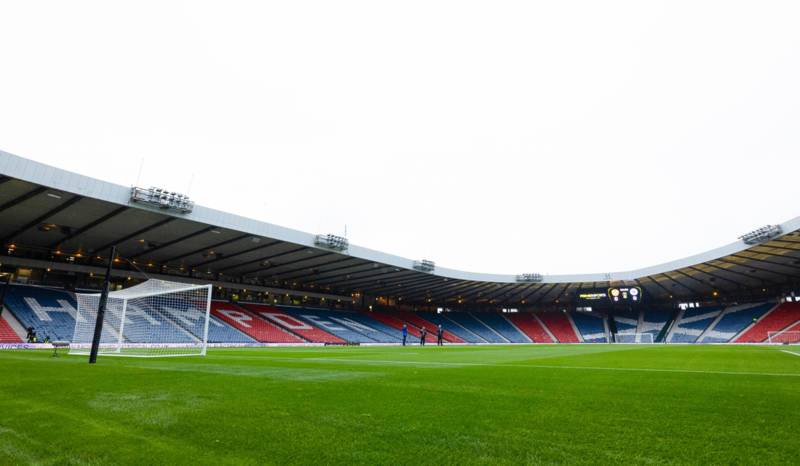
x=162, y=199
x=530, y=278
x=425, y=265
x=337, y=243
x=762, y=234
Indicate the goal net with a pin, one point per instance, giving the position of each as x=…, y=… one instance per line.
x=633, y=337
x=153, y=319
x=784, y=338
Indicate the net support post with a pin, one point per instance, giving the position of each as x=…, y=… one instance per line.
x=208, y=317
x=122, y=325
x=101, y=309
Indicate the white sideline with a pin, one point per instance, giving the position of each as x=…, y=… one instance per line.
x=790, y=352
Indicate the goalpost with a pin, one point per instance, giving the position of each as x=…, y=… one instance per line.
x=784, y=338
x=633, y=337
x=156, y=318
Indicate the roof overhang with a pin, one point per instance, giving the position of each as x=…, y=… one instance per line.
x=56, y=214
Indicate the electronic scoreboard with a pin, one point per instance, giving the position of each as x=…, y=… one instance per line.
x=613, y=295
x=625, y=294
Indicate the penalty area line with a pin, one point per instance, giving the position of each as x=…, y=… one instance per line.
x=790, y=352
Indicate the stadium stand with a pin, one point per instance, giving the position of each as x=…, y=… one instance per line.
x=469, y=322
x=386, y=324
x=499, y=324
x=148, y=326
x=451, y=327
x=414, y=318
x=7, y=334
x=591, y=327
x=560, y=326
x=691, y=323
x=365, y=325
x=653, y=321
x=50, y=312
x=292, y=324
x=250, y=324
x=626, y=321
x=396, y=322
x=327, y=321
x=783, y=317
x=218, y=332
x=531, y=326
x=732, y=321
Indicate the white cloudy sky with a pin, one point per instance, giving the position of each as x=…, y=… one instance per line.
x=553, y=137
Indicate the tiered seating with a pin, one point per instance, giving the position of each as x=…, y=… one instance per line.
x=292, y=324
x=654, y=320
x=331, y=323
x=784, y=316
x=559, y=325
x=693, y=323
x=418, y=321
x=256, y=327
x=194, y=323
x=591, y=327
x=451, y=327
x=788, y=335
x=50, y=312
x=500, y=325
x=531, y=326
x=392, y=321
x=734, y=320
x=626, y=321
x=469, y=322
x=372, y=328
x=7, y=334
x=147, y=325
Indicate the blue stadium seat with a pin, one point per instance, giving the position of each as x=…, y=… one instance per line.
x=467, y=321
x=654, y=320
x=50, y=312
x=326, y=320
x=735, y=319
x=693, y=323
x=591, y=327
x=451, y=327
x=500, y=325
x=626, y=321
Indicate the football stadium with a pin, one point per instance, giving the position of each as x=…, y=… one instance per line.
x=227, y=340
x=399, y=233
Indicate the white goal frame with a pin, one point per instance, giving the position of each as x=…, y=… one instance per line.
x=634, y=338
x=791, y=337
x=114, y=341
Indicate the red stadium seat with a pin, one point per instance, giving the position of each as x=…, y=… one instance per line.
x=7, y=334
x=559, y=325
x=248, y=323
x=784, y=316
x=418, y=321
x=394, y=321
x=529, y=324
x=292, y=324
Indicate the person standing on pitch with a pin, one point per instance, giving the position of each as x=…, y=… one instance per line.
x=422, y=333
x=439, y=335
x=405, y=333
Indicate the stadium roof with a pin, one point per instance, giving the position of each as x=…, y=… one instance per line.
x=64, y=220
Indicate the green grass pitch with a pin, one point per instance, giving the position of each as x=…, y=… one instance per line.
x=533, y=404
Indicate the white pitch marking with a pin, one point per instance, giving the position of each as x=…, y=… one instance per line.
x=790, y=352
x=535, y=366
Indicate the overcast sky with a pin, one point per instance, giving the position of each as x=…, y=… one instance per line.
x=507, y=137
